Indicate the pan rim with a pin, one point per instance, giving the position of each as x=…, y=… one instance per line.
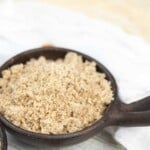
x=98, y=124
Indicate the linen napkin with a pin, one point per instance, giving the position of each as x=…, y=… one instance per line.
x=26, y=25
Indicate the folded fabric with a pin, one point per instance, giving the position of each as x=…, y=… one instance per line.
x=27, y=25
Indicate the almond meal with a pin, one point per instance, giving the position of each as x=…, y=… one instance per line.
x=54, y=97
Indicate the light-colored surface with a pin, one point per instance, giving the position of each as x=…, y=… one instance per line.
x=28, y=25
x=132, y=15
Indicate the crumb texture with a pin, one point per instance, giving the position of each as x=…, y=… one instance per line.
x=54, y=97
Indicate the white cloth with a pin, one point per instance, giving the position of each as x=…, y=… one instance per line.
x=26, y=25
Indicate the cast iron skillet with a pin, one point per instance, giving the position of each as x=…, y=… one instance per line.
x=117, y=113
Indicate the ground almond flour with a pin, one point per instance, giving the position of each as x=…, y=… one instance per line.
x=57, y=97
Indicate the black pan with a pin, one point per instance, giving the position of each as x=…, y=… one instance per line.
x=117, y=113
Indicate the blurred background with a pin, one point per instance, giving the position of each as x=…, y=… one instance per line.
x=132, y=15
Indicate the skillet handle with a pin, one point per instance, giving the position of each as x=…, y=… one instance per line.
x=140, y=105
x=134, y=114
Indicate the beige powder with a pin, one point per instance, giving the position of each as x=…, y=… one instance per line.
x=57, y=97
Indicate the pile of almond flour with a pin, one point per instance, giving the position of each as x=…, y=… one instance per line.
x=54, y=97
